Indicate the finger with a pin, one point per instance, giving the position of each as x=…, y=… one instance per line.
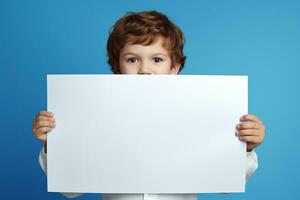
x=250, y=117
x=39, y=120
x=248, y=125
x=46, y=113
x=45, y=129
x=252, y=139
x=248, y=132
x=44, y=118
x=44, y=124
x=42, y=132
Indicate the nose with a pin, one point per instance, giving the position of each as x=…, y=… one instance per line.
x=144, y=69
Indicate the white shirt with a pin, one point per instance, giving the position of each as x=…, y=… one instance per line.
x=251, y=166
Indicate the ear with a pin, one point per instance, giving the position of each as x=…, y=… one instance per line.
x=175, y=69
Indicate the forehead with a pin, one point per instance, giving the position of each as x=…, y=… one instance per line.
x=157, y=46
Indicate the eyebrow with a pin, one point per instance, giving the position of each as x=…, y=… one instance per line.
x=155, y=54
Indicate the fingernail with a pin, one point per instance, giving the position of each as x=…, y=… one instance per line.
x=236, y=133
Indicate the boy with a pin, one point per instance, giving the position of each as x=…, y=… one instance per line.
x=149, y=43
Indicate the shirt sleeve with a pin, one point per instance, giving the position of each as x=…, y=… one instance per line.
x=43, y=164
x=251, y=164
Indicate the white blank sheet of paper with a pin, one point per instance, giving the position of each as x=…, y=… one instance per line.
x=146, y=133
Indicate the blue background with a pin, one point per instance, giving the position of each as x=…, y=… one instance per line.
x=257, y=38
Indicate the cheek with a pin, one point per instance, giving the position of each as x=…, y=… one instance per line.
x=126, y=69
x=164, y=68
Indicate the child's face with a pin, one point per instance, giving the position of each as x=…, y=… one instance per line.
x=151, y=59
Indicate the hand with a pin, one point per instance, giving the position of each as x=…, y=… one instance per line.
x=43, y=123
x=251, y=130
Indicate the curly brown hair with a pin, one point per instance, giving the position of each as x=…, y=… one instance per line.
x=145, y=28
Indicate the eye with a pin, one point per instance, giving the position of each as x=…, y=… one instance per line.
x=157, y=59
x=132, y=60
